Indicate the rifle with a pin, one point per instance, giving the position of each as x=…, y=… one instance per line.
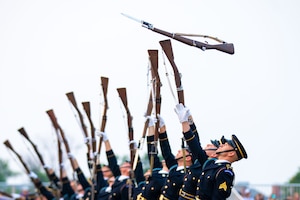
x=123, y=96
x=87, y=109
x=104, y=85
x=24, y=133
x=141, y=141
x=62, y=134
x=8, y=145
x=153, y=57
x=72, y=99
x=167, y=48
x=224, y=46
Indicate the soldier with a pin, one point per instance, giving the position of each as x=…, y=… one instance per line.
x=176, y=165
x=216, y=180
x=156, y=178
x=83, y=181
x=39, y=185
x=123, y=186
x=200, y=156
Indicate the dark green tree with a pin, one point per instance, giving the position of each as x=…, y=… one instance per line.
x=5, y=171
x=296, y=177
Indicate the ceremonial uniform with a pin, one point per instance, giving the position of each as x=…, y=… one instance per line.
x=217, y=177
x=152, y=186
x=216, y=181
x=188, y=190
x=124, y=187
x=176, y=174
x=101, y=186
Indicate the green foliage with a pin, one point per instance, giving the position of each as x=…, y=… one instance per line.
x=5, y=171
x=296, y=177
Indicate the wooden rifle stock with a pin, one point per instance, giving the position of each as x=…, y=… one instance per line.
x=72, y=99
x=8, y=145
x=62, y=134
x=153, y=57
x=104, y=86
x=123, y=95
x=224, y=47
x=87, y=109
x=24, y=133
x=167, y=48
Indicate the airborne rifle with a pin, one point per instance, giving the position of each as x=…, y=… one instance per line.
x=224, y=46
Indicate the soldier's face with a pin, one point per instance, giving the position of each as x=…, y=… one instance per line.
x=180, y=154
x=225, y=148
x=125, y=167
x=106, y=172
x=210, y=150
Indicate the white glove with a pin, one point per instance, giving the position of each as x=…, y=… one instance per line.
x=152, y=120
x=104, y=136
x=182, y=113
x=86, y=140
x=46, y=166
x=134, y=144
x=70, y=155
x=62, y=166
x=33, y=175
x=161, y=121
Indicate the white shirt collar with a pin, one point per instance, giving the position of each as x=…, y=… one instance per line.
x=222, y=161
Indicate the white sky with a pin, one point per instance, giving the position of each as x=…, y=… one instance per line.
x=49, y=48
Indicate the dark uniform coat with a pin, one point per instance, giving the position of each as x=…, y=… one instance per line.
x=151, y=188
x=216, y=181
x=175, y=179
x=189, y=186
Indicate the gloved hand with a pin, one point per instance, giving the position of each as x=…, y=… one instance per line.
x=152, y=120
x=33, y=175
x=86, y=140
x=70, y=155
x=102, y=134
x=182, y=112
x=62, y=166
x=46, y=166
x=134, y=144
x=161, y=121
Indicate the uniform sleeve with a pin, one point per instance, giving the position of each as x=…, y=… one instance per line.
x=166, y=150
x=150, y=146
x=224, y=184
x=82, y=179
x=112, y=163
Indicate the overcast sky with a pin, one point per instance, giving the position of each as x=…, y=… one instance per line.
x=49, y=48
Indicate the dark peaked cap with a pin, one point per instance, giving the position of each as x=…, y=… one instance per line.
x=238, y=147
